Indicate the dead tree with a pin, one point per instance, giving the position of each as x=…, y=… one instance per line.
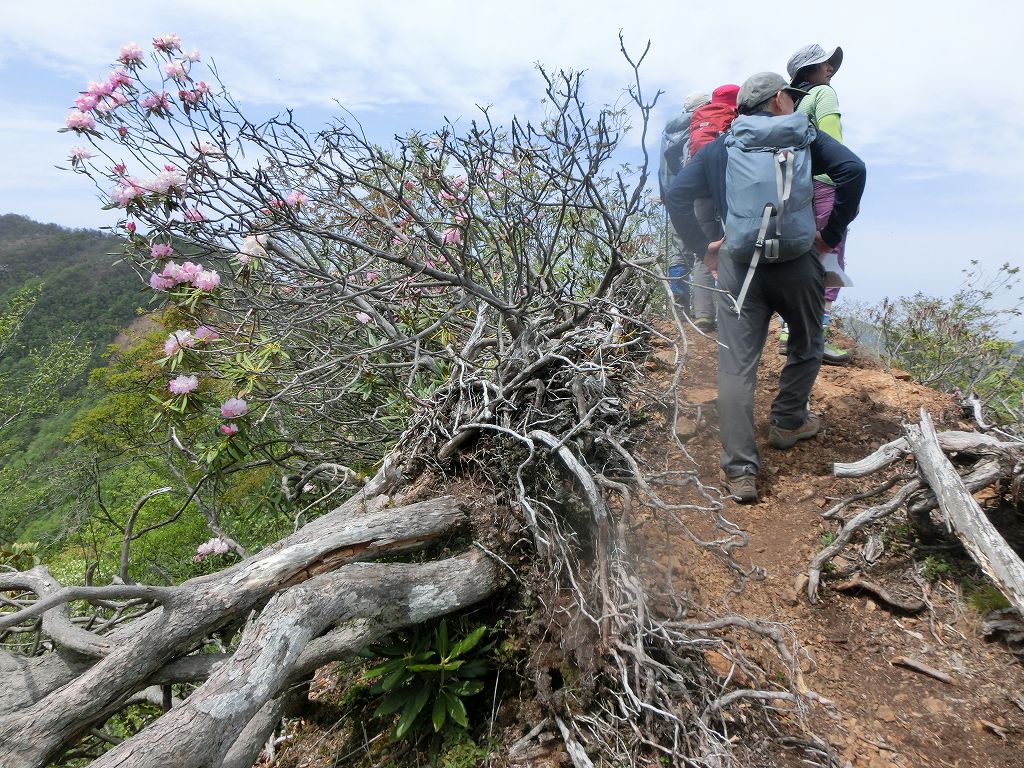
x=937, y=484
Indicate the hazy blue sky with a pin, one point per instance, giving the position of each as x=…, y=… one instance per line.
x=927, y=91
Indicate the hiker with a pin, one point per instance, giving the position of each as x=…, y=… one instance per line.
x=789, y=279
x=675, y=140
x=811, y=69
x=709, y=122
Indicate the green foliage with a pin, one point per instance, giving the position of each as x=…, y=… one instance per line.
x=983, y=596
x=426, y=675
x=935, y=567
x=827, y=538
x=21, y=556
x=956, y=344
x=460, y=751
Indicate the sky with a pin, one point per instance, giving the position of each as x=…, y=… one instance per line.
x=926, y=90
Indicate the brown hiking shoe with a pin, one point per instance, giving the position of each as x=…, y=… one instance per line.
x=786, y=438
x=743, y=488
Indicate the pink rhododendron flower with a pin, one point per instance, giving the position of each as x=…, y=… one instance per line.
x=118, y=77
x=243, y=258
x=182, y=385
x=190, y=98
x=122, y=131
x=120, y=169
x=126, y=191
x=194, y=214
x=86, y=101
x=234, y=408
x=130, y=226
x=363, y=318
x=160, y=283
x=109, y=103
x=215, y=546
x=452, y=236
x=167, y=43
x=193, y=55
x=159, y=103
x=176, y=70
x=410, y=186
x=205, y=333
x=228, y=429
x=461, y=217
x=295, y=199
x=371, y=276
x=447, y=196
x=187, y=272
x=206, y=280
x=166, y=180
x=129, y=54
x=161, y=251
x=78, y=154
x=77, y=120
x=178, y=340
x=459, y=182
x=100, y=89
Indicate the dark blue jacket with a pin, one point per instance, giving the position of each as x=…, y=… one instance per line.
x=704, y=176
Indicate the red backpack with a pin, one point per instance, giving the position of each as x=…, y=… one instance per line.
x=708, y=123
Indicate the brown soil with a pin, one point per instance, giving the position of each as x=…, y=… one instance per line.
x=886, y=715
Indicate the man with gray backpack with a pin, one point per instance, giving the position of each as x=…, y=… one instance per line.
x=759, y=176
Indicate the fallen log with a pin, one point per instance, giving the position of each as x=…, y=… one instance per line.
x=74, y=695
x=964, y=515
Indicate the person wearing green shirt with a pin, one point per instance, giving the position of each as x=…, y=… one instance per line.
x=811, y=69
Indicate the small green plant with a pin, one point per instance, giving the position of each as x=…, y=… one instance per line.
x=21, y=556
x=424, y=667
x=983, y=596
x=935, y=567
x=827, y=538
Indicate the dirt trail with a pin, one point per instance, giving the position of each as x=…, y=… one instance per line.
x=888, y=715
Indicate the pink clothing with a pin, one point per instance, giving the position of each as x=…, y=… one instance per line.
x=824, y=198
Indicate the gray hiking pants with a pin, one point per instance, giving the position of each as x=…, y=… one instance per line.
x=794, y=289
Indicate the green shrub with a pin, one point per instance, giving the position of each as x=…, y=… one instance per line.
x=425, y=672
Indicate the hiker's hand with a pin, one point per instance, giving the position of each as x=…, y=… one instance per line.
x=711, y=257
x=819, y=244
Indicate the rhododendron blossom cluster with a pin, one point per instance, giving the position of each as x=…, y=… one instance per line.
x=130, y=54
x=182, y=385
x=178, y=340
x=234, y=408
x=177, y=274
x=215, y=546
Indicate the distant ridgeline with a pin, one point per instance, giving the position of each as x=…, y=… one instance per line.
x=82, y=291
x=82, y=299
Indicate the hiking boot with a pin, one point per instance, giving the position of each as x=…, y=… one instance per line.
x=743, y=488
x=705, y=324
x=834, y=355
x=783, y=342
x=786, y=438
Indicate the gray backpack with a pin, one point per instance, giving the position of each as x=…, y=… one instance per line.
x=768, y=190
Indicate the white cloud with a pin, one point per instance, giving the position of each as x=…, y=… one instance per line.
x=926, y=86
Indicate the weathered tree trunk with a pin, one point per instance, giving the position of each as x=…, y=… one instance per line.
x=202, y=730
x=308, y=590
x=979, y=537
